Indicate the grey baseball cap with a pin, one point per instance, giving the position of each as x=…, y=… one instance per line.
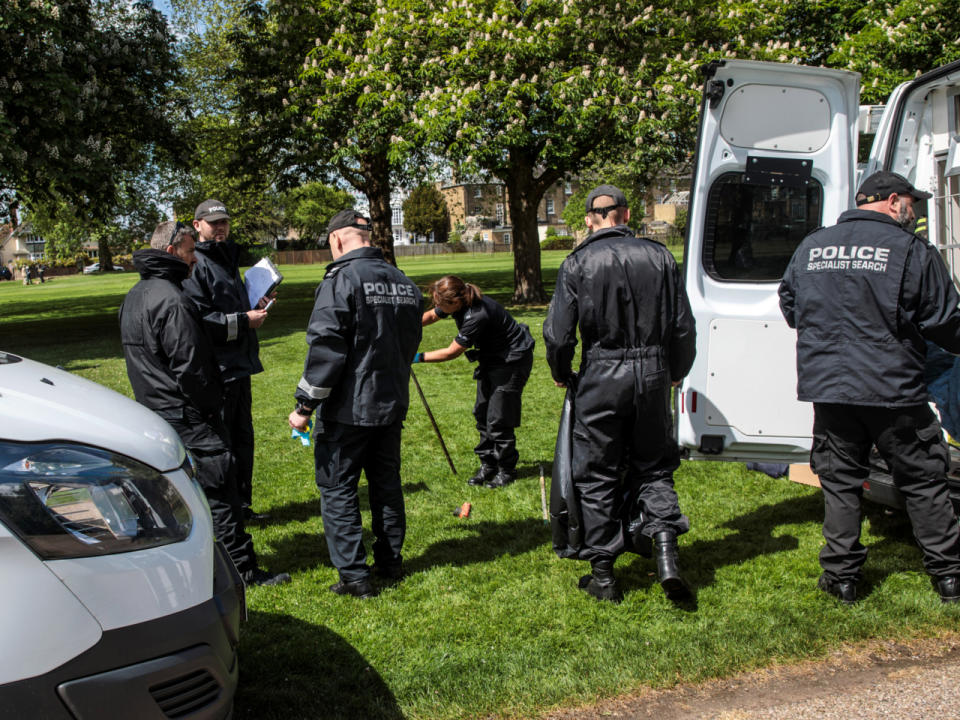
x=619, y=199
x=211, y=211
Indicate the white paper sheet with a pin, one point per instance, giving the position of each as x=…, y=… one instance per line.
x=260, y=280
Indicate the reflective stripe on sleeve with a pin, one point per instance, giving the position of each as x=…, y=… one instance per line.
x=315, y=393
x=233, y=327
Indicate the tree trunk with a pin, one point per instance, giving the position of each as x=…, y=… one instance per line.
x=376, y=175
x=524, y=196
x=104, y=256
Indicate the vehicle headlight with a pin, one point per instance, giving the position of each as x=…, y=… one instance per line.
x=68, y=501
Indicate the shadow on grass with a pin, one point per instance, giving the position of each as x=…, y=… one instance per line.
x=897, y=551
x=292, y=669
x=753, y=537
x=304, y=510
x=482, y=542
x=525, y=470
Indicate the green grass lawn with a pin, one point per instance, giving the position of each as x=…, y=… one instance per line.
x=489, y=622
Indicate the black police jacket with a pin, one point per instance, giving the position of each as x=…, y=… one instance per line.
x=218, y=291
x=627, y=297
x=170, y=359
x=363, y=333
x=488, y=327
x=864, y=295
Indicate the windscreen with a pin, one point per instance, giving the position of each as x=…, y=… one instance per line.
x=751, y=231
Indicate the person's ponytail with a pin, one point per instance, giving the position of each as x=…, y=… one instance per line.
x=471, y=294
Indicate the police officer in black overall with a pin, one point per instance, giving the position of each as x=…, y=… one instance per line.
x=504, y=351
x=627, y=297
x=864, y=296
x=362, y=336
x=173, y=371
x=218, y=290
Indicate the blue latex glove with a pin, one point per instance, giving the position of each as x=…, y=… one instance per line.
x=418, y=357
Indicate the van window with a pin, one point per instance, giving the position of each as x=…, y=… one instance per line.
x=752, y=230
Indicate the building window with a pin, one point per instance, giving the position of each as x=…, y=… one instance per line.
x=506, y=238
x=397, y=236
x=567, y=190
x=486, y=237
x=550, y=206
x=478, y=192
x=501, y=215
x=477, y=210
x=397, y=216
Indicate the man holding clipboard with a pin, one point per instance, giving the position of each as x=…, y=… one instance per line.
x=231, y=320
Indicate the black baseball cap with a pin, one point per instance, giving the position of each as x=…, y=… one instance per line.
x=211, y=211
x=619, y=199
x=345, y=218
x=883, y=184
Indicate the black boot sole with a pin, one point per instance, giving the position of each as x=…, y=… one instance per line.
x=675, y=588
x=606, y=593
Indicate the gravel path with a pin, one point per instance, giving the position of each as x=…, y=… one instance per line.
x=882, y=680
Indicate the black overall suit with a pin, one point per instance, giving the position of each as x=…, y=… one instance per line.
x=627, y=298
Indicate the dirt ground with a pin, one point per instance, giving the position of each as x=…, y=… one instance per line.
x=875, y=680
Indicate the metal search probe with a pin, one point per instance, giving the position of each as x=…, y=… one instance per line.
x=543, y=495
x=433, y=422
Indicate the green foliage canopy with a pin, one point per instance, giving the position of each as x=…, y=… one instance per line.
x=308, y=208
x=528, y=93
x=425, y=212
x=83, y=90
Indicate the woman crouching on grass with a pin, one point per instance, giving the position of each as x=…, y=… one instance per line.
x=504, y=349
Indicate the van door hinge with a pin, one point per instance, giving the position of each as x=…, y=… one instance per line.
x=714, y=93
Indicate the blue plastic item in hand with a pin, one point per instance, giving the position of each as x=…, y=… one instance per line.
x=303, y=435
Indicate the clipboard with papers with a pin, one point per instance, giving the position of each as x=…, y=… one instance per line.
x=261, y=280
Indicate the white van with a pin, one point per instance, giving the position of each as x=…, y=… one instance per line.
x=115, y=602
x=776, y=158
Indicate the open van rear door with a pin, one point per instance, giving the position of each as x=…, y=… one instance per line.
x=775, y=159
x=919, y=138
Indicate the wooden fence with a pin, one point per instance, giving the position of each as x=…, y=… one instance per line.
x=309, y=257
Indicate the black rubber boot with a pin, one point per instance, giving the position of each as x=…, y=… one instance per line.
x=843, y=590
x=482, y=475
x=502, y=478
x=949, y=588
x=602, y=584
x=667, y=553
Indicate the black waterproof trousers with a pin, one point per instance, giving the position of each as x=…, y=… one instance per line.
x=238, y=421
x=216, y=473
x=497, y=411
x=341, y=453
x=910, y=440
x=624, y=450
